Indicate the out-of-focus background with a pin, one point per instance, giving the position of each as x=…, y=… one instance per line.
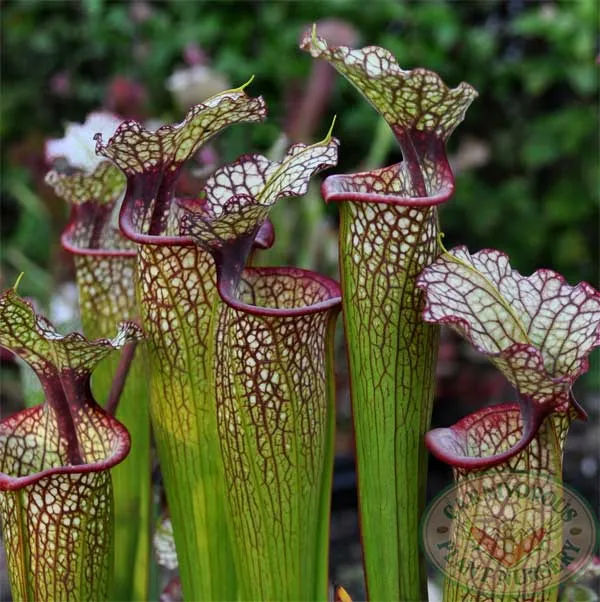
x=526, y=157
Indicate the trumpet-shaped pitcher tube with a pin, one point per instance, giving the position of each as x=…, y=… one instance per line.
x=55, y=488
x=538, y=331
x=178, y=301
x=502, y=523
x=276, y=417
x=273, y=371
x=388, y=234
x=105, y=264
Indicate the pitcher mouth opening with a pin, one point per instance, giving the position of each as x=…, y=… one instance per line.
x=453, y=445
x=119, y=449
x=353, y=187
x=310, y=292
x=66, y=242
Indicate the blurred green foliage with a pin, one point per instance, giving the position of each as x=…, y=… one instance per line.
x=526, y=156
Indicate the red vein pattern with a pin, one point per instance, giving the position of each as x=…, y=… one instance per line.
x=392, y=356
x=388, y=234
x=507, y=535
x=152, y=160
x=236, y=204
x=105, y=263
x=537, y=330
x=104, y=259
x=177, y=296
x=240, y=194
x=179, y=310
x=420, y=109
x=275, y=411
x=55, y=486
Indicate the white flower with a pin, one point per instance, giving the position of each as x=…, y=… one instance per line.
x=78, y=147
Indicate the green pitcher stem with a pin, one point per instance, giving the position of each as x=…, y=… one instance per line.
x=177, y=297
x=107, y=296
x=387, y=237
x=506, y=542
x=392, y=357
x=276, y=415
x=48, y=549
x=179, y=313
x=56, y=505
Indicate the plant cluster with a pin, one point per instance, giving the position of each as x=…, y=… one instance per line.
x=232, y=364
